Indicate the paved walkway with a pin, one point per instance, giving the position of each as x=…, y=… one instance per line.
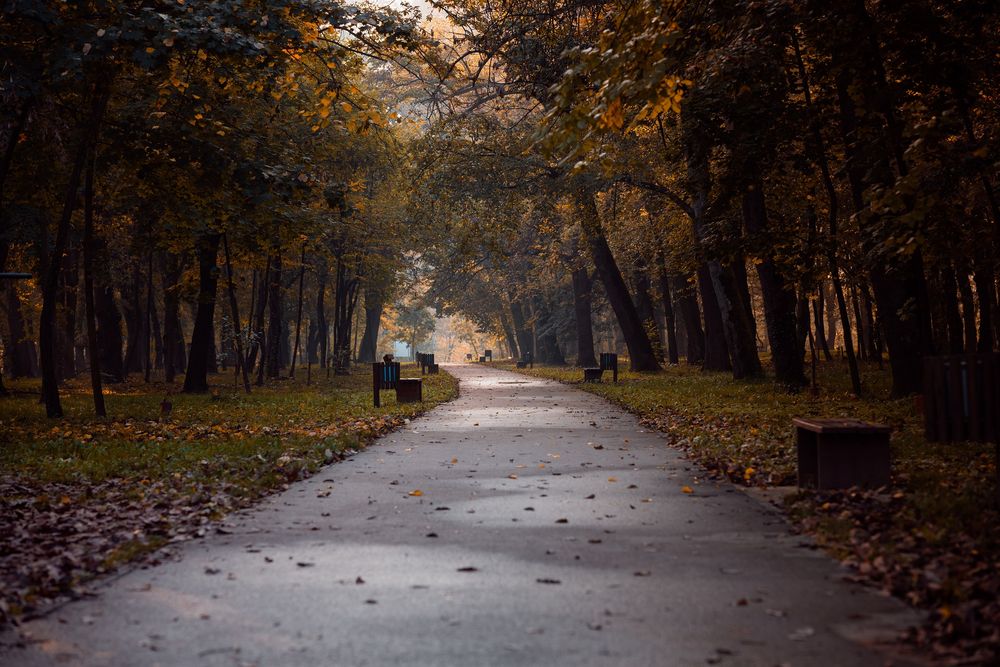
x=550, y=529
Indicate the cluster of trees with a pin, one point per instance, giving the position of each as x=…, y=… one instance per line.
x=209, y=174
x=720, y=178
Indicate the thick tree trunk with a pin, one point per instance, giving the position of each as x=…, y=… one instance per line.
x=196, y=378
x=779, y=296
x=582, y=291
x=737, y=325
x=109, y=330
x=641, y=354
x=548, y=344
x=524, y=343
x=508, y=332
x=669, y=321
x=716, y=348
x=644, y=308
x=368, y=352
x=687, y=306
x=174, y=351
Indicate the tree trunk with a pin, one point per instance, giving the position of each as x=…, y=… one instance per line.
x=669, y=321
x=135, y=318
x=318, y=328
x=520, y=328
x=196, y=378
x=641, y=354
x=716, y=349
x=968, y=312
x=818, y=306
x=174, y=351
x=234, y=312
x=88, y=288
x=508, y=332
x=50, y=285
x=298, y=311
x=687, y=305
x=779, y=296
x=644, y=307
x=548, y=344
x=66, y=337
x=374, y=305
x=275, y=314
x=582, y=289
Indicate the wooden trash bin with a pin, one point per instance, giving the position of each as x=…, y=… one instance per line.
x=433, y=369
x=840, y=453
x=409, y=390
x=592, y=374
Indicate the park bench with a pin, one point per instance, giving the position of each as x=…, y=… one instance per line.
x=840, y=453
x=468, y=357
x=385, y=376
x=526, y=361
x=608, y=362
x=961, y=399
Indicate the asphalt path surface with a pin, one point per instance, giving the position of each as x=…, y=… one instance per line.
x=525, y=523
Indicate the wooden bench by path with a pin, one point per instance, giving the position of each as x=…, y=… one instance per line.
x=609, y=362
x=840, y=453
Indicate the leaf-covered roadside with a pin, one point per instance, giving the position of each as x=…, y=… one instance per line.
x=83, y=496
x=930, y=539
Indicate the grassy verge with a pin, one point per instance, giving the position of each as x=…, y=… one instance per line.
x=931, y=538
x=82, y=495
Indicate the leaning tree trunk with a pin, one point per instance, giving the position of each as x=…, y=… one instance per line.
x=508, y=332
x=641, y=354
x=582, y=292
x=196, y=378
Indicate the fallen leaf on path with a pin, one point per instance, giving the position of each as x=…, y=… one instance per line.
x=612, y=479
x=512, y=476
x=642, y=573
x=687, y=489
x=415, y=492
x=547, y=581
x=562, y=520
x=304, y=564
x=468, y=569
